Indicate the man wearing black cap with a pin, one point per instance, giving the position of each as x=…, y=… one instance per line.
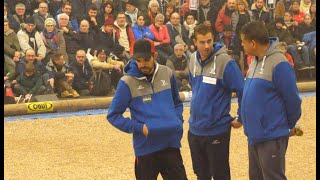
x=150, y=91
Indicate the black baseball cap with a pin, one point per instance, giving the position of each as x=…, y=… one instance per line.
x=143, y=48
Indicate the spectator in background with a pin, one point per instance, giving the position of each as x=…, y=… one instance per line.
x=124, y=34
x=179, y=64
x=106, y=38
x=12, y=5
x=91, y=17
x=224, y=15
x=169, y=10
x=260, y=12
x=190, y=23
x=140, y=30
x=313, y=12
x=282, y=6
x=12, y=48
x=87, y=39
x=131, y=13
x=304, y=27
x=153, y=10
x=29, y=38
x=80, y=7
x=118, y=54
x=297, y=15
x=207, y=14
x=29, y=83
x=13, y=24
x=82, y=71
x=106, y=13
x=53, y=40
x=291, y=24
x=20, y=15
x=305, y=6
x=161, y=39
x=283, y=47
x=67, y=9
x=219, y=3
x=311, y=42
x=179, y=34
x=54, y=6
x=41, y=16
x=63, y=76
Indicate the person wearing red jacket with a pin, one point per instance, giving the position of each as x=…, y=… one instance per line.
x=224, y=15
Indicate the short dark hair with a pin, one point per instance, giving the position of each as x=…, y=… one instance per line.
x=29, y=67
x=202, y=29
x=256, y=31
x=56, y=56
x=66, y=4
x=93, y=7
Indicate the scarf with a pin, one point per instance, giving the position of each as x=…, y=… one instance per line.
x=50, y=39
x=32, y=40
x=190, y=27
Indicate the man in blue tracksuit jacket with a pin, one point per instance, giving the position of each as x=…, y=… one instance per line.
x=270, y=106
x=214, y=75
x=150, y=91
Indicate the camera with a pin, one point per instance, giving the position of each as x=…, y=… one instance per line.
x=299, y=46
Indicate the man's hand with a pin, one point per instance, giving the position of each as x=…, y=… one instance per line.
x=156, y=43
x=235, y=123
x=51, y=82
x=145, y=130
x=117, y=67
x=64, y=29
x=94, y=20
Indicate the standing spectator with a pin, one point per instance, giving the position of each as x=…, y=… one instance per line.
x=54, y=6
x=224, y=15
x=124, y=34
x=41, y=16
x=67, y=9
x=161, y=39
x=260, y=12
x=107, y=36
x=153, y=10
x=28, y=83
x=305, y=6
x=207, y=14
x=213, y=77
x=179, y=64
x=297, y=15
x=20, y=15
x=140, y=30
x=269, y=113
x=62, y=76
x=53, y=40
x=156, y=121
x=91, y=17
x=82, y=71
x=12, y=48
x=106, y=13
x=282, y=6
x=29, y=37
x=179, y=34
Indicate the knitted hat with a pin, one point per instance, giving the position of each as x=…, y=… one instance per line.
x=48, y=20
x=109, y=21
x=29, y=20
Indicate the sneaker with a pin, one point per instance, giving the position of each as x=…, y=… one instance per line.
x=74, y=93
x=66, y=94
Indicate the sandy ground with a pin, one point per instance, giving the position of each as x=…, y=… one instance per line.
x=88, y=147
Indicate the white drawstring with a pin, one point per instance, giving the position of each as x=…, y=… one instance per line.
x=214, y=64
x=262, y=66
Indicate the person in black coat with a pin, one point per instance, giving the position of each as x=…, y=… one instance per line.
x=106, y=37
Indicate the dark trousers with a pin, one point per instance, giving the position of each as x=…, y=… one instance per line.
x=167, y=162
x=267, y=159
x=210, y=156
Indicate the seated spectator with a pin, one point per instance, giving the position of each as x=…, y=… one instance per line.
x=190, y=23
x=62, y=76
x=73, y=24
x=161, y=39
x=184, y=10
x=283, y=47
x=12, y=49
x=305, y=6
x=224, y=15
x=311, y=41
x=260, y=12
x=207, y=13
x=282, y=6
x=54, y=6
x=291, y=24
x=106, y=13
x=231, y=41
x=179, y=64
x=140, y=30
x=153, y=10
x=82, y=71
x=304, y=27
x=87, y=38
x=110, y=67
x=13, y=24
x=12, y=5
x=124, y=34
x=131, y=13
x=169, y=10
x=297, y=15
x=179, y=34
x=41, y=16
x=118, y=54
x=47, y=76
x=29, y=38
x=313, y=13
x=107, y=36
x=20, y=15
x=28, y=83
x=80, y=7
x=53, y=40
x=91, y=17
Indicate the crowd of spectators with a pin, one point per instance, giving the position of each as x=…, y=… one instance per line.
x=68, y=47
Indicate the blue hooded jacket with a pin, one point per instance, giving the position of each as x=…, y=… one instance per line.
x=213, y=82
x=271, y=105
x=156, y=104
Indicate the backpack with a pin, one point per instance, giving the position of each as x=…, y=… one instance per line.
x=101, y=84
